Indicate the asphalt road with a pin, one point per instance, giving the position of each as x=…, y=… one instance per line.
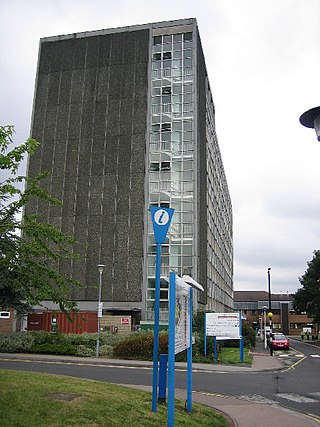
x=297, y=387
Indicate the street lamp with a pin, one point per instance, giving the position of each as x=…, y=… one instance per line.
x=265, y=324
x=269, y=288
x=311, y=119
x=100, y=269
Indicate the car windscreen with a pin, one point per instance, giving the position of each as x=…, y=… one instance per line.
x=279, y=338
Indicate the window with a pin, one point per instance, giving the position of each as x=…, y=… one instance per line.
x=188, y=53
x=166, y=90
x=157, y=56
x=157, y=40
x=156, y=91
x=187, y=125
x=166, y=137
x=177, y=125
x=187, y=36
x=166, y=127
x=187, y=88
x=154, y=166
x=177, y=38
x=167, y=55
x=187, y=62
x=177, y=89
x=165, y=166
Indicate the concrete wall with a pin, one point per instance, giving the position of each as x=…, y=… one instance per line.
x=90, y=117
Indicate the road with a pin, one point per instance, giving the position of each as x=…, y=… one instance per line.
x=297, y=388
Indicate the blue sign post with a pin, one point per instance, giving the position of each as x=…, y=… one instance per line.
x=161, y=219
x=180, y=334
x=223, y=326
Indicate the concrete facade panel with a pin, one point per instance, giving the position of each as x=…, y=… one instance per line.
x=88, y=143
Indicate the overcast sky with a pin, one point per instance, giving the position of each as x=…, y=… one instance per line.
x=263, y=61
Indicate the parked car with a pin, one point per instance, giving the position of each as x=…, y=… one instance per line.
x=279, y=342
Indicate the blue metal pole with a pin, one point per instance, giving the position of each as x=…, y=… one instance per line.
x=189, y=357
x=163, y=378
x=214, y=349
x=156, y=329
x=171, y=356
x=205, y=335
x=241, y=338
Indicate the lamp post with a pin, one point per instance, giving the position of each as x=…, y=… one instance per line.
x=311, y=119
x=265, y=324
x=270, y=337
x=269, y=289
x=269, y=313
x=100, y=269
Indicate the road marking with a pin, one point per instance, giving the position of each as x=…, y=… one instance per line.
x=316, y=393
x=301, y=359
x=314, y=355
x=296, y=398
x=257, y=398
x=59, y=362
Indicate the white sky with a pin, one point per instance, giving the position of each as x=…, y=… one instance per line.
x=263, y=61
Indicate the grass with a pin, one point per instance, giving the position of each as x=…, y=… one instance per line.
x=33, y=399
x=232, y=356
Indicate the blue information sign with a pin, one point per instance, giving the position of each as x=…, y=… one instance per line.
x=161, y=219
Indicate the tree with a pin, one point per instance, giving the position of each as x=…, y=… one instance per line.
x=308, y=297
x=29, y=247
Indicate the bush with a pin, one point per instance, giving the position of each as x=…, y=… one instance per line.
x=83, y=351
x=47, y=348
x=249, y=335
x=106, y=350
x=58, y=343
x=140, y=346
x=18, y=342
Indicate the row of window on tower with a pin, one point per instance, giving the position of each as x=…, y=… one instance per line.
x=172, y=39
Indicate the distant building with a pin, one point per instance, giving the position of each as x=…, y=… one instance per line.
x=126, y=120
x=284, y=319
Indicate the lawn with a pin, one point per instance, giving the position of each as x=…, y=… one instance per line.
x=33, y=399
x=232, y=356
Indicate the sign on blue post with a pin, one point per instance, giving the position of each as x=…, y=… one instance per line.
x=161, y=219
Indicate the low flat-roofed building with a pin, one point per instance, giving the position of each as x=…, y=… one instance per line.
x=284, y=319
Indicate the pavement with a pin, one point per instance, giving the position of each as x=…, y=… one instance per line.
x=238, y=412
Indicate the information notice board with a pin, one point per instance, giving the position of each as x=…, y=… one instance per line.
x=223, y=326
x=182, y=317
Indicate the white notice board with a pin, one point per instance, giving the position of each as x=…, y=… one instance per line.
x=223, y=326
x=182, y=327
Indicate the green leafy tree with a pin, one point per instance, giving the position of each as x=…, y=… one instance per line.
x=307, y=298
x=29, y=247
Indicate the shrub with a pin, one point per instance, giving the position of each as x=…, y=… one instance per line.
x=140, y=346
x=249, y=335
x=47, y=348
x=83, y=351
x=17, y=342
x=106, y=350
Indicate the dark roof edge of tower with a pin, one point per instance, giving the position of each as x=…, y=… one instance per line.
x=153, y=25
x=246, y=296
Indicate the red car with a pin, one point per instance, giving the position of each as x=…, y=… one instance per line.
x=279, y=342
